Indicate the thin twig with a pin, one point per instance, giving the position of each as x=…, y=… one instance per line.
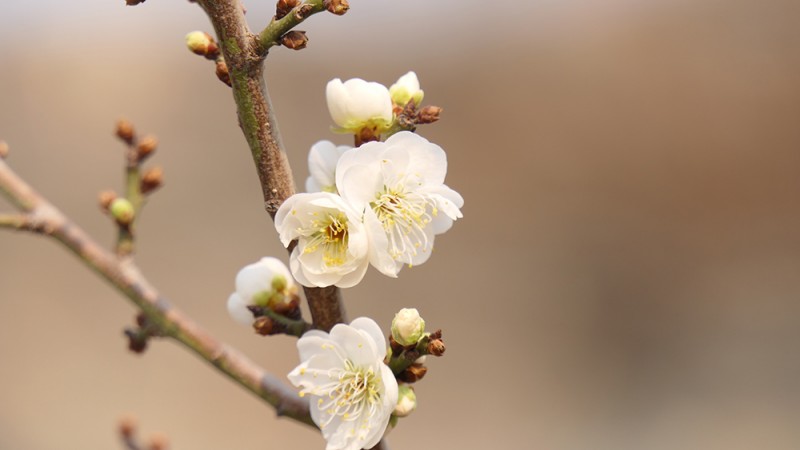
x=271, y=35
x=125, y=276
x=17, y=221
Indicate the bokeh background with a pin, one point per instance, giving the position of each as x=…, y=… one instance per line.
x=626, y=275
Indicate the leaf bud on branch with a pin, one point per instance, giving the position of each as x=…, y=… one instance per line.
x=295, y=40
x=125, y=131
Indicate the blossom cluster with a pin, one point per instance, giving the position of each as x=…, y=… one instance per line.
x=381, y=203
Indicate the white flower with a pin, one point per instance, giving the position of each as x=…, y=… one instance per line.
x=352, y=392
x=258, y=284
x=322, y=159
x=332, y=247
x=357, y=104
x=407, y=327
x=406, y=88
x=399, y=186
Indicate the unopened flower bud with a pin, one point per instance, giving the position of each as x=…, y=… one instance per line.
x=436, y=347
x=133, y=2
x=406, y=89
x=222, y=72
x=295, y=40
x=152, y=180
x=406, y=401
x=147, y=145
x=105, y=199
x=428, y=114
x=122, y=211
x=264, y=326
x=256, y=288
x=201, y=43
x=407, y=327
x=3, y=149
x=125, y=131
x=284, y=7
x=338, y=7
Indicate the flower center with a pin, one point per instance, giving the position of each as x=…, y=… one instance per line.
x=404, y=216
x=352, y=391
x=330, y=234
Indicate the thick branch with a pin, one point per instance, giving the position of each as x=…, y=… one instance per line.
x=125, y=276
x=244, y=58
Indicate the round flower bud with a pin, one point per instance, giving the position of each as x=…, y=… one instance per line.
x=406, y=89
x=260, y=284
x=356, y=104
x=122, y=211
x=201, y=43
x=407, y=327
x=406, y=401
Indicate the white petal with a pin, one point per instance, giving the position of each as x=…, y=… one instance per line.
x=426, y=159
x=358, y=347
x=237, y=308
x=372, y=329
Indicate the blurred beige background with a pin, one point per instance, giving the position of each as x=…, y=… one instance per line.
x=625, y=276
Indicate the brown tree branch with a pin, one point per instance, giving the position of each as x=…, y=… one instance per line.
x=44, y=218
x=244, y=55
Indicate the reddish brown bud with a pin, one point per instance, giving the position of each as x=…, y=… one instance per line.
x=414, y=373
x=284, y=7
x=105, y=199
x=264, y=326
x=147, y=145
x=125, y=131
x=133, y=2
x=338, y=7
x=3, y=149
x=222, y=72
x=295, y=40
x=436, y=347
x=127, y=427
x=304, y=11
x=428, y=114
x=151, y=180
x=287, y=309
x=137, y=341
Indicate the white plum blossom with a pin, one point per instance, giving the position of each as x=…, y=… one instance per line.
x=406, y=88
x=332, y=247
x=357, y=104
x=322, y=159
x=352, y=392
x=258, y=284
x=399, y=187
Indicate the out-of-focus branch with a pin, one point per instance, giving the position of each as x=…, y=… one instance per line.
x=44, y=218
x=244, y=55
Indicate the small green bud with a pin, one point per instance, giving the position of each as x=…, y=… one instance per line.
x=406, y=401
x=279, y=283
x=122, y=211
x=407, y=327
x=262, y=298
